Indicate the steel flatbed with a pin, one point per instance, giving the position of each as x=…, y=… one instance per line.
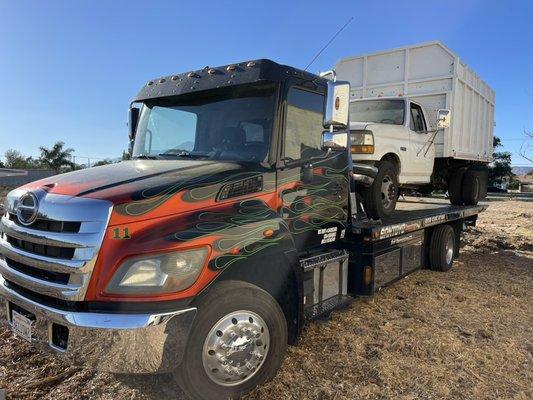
x=412, y=214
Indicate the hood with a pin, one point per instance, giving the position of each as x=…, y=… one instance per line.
x=128, y=180
x=359, y=126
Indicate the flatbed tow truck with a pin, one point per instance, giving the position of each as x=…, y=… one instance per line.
x=236, y=222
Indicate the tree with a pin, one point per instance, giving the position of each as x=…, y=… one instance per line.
x=102, y=162
x=16, y=160
x=501, y=165
x=57, y=157
x=527, y=147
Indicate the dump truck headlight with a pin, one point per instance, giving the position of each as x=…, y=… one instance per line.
x=362, y=142
x=158, y=274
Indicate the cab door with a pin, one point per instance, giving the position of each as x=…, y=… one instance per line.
x=313, y=185
x=422, y=152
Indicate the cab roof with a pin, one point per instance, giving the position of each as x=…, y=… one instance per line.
x=222, y=76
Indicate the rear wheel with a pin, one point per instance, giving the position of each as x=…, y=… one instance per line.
x=380, y=198
x=455, y=187
x=471, y=188
x=237, y=342
x=442, y=248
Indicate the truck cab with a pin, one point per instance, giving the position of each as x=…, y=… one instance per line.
x=393, y=129
x=394, y=135
x=232, y=178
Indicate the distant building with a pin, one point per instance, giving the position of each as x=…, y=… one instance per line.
x=526, y=183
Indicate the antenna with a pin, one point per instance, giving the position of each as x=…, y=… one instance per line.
x=328, y=43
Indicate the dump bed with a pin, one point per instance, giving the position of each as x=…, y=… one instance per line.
x=413, y=214
x=435, y=77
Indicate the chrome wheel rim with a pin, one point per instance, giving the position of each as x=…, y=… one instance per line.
x=449, y=249
x=388, y=191
x=235, y=348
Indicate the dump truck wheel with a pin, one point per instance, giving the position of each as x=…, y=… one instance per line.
x=442, y=248
x=237, y=342
x=455, y=187
x=380, y=198
x=471, y=187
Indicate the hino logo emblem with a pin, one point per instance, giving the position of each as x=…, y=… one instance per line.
x=27, y=208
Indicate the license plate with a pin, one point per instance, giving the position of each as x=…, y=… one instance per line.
x=21, y=325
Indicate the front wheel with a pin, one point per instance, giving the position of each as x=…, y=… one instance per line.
x=380, y=198
x=237, y=342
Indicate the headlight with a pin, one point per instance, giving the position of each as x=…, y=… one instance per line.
x=158, y=274
x=362, y=142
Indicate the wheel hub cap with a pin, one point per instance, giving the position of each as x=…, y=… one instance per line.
x=235, y=348
x=449, y=250
x=388, y=191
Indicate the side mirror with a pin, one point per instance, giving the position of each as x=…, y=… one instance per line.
x=334, y=140
x=443, y=118
x=133, y=118
x=337, y=104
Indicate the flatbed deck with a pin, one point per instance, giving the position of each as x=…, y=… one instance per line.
x=413, y=213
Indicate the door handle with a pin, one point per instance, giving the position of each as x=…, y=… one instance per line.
x=403, y=148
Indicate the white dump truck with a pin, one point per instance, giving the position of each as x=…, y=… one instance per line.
x=424, y=119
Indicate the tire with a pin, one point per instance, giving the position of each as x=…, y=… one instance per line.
x=471, y=187
x=442, y=248
x=224, y=304
x=455, y=187
x=380, y=198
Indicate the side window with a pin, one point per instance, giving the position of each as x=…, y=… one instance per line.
x=417, y=120
x=303, y=131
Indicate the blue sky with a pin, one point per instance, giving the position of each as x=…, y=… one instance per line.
x=68, y=69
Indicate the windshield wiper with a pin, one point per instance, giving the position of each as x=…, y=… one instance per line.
x=145, y=157
x=183, y=153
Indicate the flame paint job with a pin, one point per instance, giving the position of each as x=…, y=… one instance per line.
x=172, y=205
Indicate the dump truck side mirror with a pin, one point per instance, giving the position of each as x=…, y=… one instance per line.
x=443, y=118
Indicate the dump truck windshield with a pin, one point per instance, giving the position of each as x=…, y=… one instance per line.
x=379, y=111
x=233, y=123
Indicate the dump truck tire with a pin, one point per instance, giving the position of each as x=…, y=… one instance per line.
x=455, y=187
x=380, y=198
x=471, y=187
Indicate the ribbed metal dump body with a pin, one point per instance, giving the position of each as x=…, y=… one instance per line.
x=432, y=75
x=49, y=243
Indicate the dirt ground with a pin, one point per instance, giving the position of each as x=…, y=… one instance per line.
x=466, y=334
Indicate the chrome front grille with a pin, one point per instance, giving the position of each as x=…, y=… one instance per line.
x=55, y=255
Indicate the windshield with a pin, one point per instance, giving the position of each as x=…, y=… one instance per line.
x=380, y=111
x=232, y=123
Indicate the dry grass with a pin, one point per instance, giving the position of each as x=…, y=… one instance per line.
x=466, y=334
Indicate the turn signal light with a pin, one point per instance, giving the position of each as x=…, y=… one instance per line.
x=362, y=149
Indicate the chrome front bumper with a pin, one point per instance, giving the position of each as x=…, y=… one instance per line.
x=119, y=343
x=364, y=173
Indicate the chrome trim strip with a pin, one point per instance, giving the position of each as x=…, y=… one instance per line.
x=42, y=262
x=37, y=285
x=60, y=207
x=70, y=240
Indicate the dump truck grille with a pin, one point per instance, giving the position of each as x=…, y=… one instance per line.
x=54, y=255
